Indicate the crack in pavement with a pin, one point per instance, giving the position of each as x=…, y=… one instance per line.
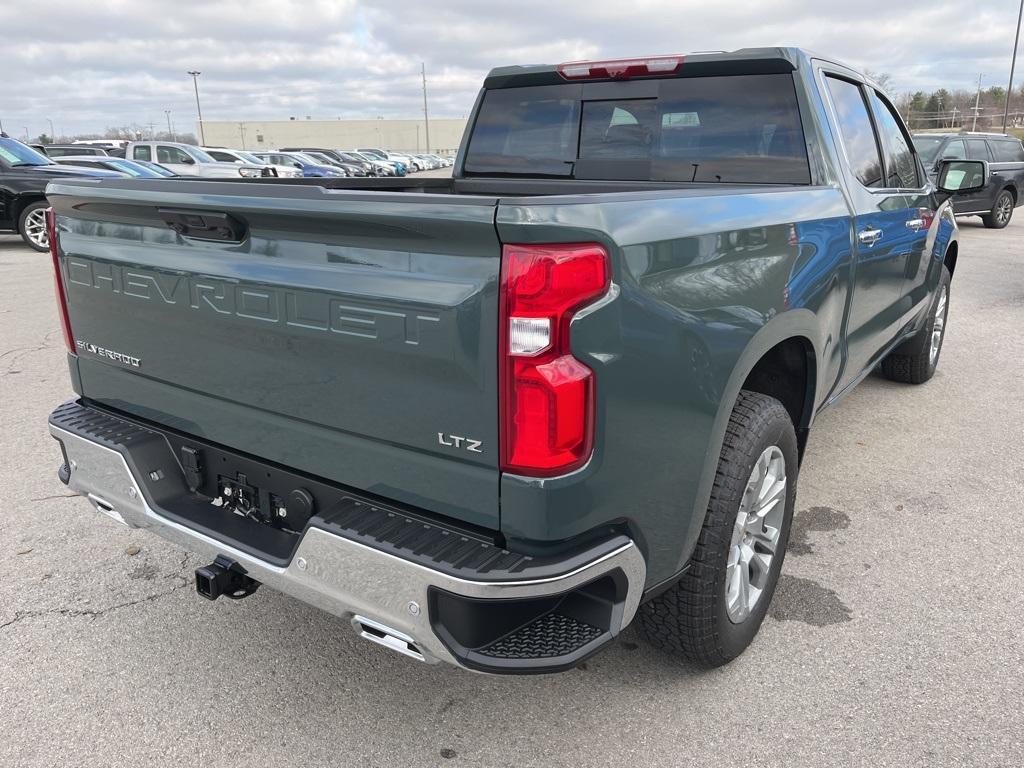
x=184, y=582
x=92, y=614
x=20, y=352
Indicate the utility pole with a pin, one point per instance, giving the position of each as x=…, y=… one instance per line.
x=426, y=117
x=170, y=131
x=53, y=133
x=977, y=100
x=1013, y=65
x=199, y=110
x=152, y=130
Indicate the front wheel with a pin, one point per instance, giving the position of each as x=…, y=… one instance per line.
x=1001, y=213
x=32, y=226
x=915, y=361
x=713, y=613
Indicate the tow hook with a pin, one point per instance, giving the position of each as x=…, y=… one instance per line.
x=224, y=577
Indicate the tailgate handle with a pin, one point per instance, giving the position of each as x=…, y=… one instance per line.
x=204, y=225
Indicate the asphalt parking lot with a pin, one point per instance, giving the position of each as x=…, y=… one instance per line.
x=895, y=637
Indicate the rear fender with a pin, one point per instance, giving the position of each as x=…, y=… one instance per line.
x=788, y=325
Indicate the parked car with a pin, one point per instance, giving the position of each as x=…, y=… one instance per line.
x=302, y=164
x=383, y=167
x=412, y=163
x=334, y=158
x=121, y=165
x=676, y=266
x=1005, y=156
x=402, y=167
x=433, y=161
x=242, y=157
x=24, y=174
x=188, y=160
x=351, y=158
x=63, y=150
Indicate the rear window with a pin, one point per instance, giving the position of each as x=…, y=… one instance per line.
x=1007, y=150
x=737, y=128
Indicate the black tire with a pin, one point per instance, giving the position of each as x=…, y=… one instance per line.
x=1002, y=211
x=31, y=211
x=691, y=618
x=912, y=362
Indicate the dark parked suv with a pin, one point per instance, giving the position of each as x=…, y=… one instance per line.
x=1005, y=155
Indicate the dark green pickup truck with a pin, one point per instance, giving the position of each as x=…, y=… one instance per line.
x=491, y=420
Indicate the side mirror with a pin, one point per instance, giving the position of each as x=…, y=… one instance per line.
x=959, y=176
x=188, y=160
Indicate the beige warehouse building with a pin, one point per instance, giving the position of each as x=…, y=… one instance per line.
x=396, y=135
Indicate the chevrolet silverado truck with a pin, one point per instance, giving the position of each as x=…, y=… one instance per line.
x=492, y=420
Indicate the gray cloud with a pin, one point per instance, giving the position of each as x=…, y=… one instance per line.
x=110, y=62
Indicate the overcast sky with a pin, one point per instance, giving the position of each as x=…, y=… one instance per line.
x=89, y=65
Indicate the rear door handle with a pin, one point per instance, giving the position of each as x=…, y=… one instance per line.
x=869, y=236
x=915, y=224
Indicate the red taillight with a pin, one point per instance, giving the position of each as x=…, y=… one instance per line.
x=621, y=69
x=547, y=395
x=58, y=280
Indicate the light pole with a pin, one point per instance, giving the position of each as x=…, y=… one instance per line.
x=426, y=118
x=170, y=131
x=53, y=136
x=977, y=100
x=1013, y=65
x=195, y=84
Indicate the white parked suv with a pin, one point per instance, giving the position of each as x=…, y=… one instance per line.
x=187, y=160
x=241, y=157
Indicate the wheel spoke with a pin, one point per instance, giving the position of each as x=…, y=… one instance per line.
x=767, y=539
x=758, y=570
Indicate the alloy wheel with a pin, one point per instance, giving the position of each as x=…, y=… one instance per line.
x=35, y=228
x=1004, y=208
x=938, y=326
x=755, y=534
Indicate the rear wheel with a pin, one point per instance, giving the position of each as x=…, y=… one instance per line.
x=1001, y=213
x=32, y=226
x=713, y=613
x=915, y=361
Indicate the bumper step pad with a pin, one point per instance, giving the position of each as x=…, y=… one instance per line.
x=549, y=636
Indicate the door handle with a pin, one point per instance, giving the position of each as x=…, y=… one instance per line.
x=915, y=224
x=869, y=236
x=204, y=225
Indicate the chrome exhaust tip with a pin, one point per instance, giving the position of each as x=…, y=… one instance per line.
x=380, y=634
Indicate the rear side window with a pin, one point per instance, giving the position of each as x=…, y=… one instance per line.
x=142, y=153
x=858, y=135
x=900, y=163
x=977, y=149
x=737, y=128
x=1007, y=150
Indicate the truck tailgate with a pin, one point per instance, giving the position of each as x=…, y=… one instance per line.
x=347, y=335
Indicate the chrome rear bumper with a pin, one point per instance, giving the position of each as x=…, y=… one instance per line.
x=387, y=598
